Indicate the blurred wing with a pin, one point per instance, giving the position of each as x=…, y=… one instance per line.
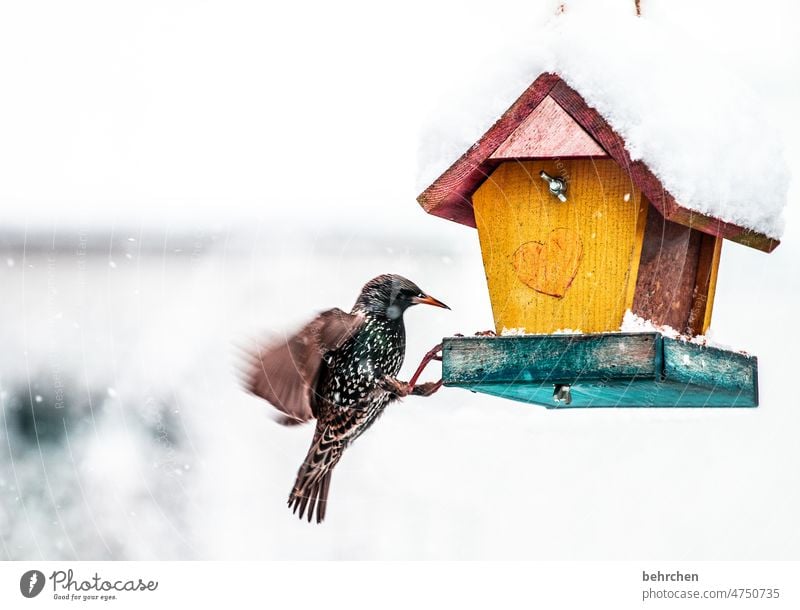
x=285, y=372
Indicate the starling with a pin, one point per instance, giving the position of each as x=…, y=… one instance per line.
x=341, y=369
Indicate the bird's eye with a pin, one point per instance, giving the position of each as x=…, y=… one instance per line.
x=421, y=295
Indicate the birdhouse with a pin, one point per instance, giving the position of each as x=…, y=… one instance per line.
x=574, y=235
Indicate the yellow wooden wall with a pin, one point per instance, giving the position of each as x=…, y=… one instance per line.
x=552, y=265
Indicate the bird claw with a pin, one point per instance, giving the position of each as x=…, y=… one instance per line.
x=395, y=386
x=434, y=353
x=427, y=388
x=485, y=333
x=402, y=389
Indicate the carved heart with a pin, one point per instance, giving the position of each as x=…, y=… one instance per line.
x=549, y=267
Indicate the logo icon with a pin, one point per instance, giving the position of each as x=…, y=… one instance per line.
x=31, y=583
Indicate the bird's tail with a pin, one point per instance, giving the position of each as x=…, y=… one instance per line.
x=310, y=490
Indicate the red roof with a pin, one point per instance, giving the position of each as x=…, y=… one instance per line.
x=450, y=195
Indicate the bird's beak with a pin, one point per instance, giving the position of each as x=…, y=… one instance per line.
x=429, y=300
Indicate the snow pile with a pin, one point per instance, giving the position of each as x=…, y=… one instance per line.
x=701, y=131
x=567, y=331
x=631, y=323
x=512, y=332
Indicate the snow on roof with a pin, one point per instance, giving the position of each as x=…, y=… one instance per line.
x=704, y=134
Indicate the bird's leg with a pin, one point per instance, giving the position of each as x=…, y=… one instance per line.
x=401, y=389
x=404, y=388
x=426, y=389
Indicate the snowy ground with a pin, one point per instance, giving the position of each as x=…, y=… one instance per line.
x=157, y=454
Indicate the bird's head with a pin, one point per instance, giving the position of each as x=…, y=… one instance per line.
x=390, y=295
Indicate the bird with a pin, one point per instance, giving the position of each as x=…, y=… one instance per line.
x=340, y=368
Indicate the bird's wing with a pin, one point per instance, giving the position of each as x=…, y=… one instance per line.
x=284, y=372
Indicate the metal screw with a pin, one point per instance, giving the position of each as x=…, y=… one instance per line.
x=556, y=186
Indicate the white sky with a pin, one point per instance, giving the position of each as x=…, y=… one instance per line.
x=209, y=113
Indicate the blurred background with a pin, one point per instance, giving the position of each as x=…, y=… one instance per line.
x=179, y=177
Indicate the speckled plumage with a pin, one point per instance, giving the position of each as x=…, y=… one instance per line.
x=349, y=359
x=352, y=373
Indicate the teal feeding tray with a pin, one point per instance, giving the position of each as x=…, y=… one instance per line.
x=601, y=370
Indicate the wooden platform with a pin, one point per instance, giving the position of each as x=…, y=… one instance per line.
x=601, y=370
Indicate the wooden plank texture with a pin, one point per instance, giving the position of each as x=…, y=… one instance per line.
x=710, y=367
x=665, y=287
x=638, y=242
x=553, y=265
x=548, y=132
x=622, y=394
x=450, y=195
x=549, y=267
x=712, y=284
x=549, y=358
x=705, y=285
x=602, y=370
x=651, y=187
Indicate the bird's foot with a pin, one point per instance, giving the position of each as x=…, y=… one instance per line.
x=395, y=386
x=435, y=353
x=401, y=389
x=485, y=333
x=426, y=389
